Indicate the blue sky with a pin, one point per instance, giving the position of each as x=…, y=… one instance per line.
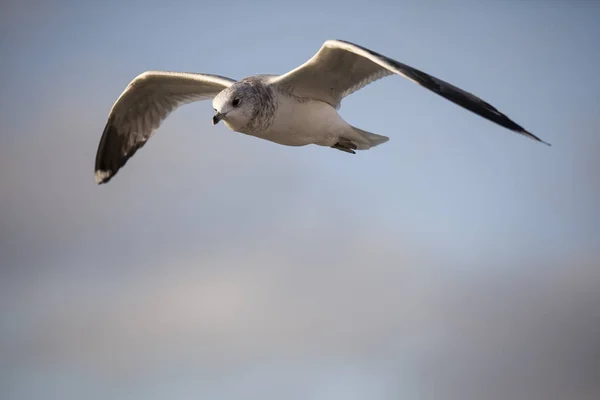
x=216, y=265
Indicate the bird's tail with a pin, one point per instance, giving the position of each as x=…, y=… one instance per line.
x=368, y=139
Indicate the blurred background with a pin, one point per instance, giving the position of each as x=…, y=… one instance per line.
x=457, y=261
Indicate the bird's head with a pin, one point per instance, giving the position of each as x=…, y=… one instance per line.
x=234, y=105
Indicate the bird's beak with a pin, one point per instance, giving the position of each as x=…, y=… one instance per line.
x=217, y=117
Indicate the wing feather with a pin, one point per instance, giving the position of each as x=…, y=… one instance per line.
x=340, y=68
x=141, y=109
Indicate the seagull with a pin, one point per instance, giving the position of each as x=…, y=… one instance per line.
x=294, y=109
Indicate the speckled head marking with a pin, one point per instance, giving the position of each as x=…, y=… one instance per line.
x=246, y=106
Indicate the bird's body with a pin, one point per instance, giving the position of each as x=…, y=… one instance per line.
x=295, y=109
x=299, y=122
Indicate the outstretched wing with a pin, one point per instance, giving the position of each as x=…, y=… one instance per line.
x=340, y=68
x=142, y=107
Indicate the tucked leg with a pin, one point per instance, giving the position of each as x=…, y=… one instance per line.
x=346, y=145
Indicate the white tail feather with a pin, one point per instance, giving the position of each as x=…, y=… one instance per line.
x=369, y=139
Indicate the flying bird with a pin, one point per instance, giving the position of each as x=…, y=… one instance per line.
x=294, y=109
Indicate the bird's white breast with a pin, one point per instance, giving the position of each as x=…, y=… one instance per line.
x=299, y=122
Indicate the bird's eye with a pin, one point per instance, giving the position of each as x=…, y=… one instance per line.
x=235, y=102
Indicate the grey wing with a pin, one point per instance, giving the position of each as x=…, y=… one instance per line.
x=142, y=107
x=340, y=68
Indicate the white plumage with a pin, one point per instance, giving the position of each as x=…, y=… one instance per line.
x=294, y=109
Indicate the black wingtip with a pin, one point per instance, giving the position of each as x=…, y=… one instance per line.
x=532, y=136
x=103, y=176
x=113, y=153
